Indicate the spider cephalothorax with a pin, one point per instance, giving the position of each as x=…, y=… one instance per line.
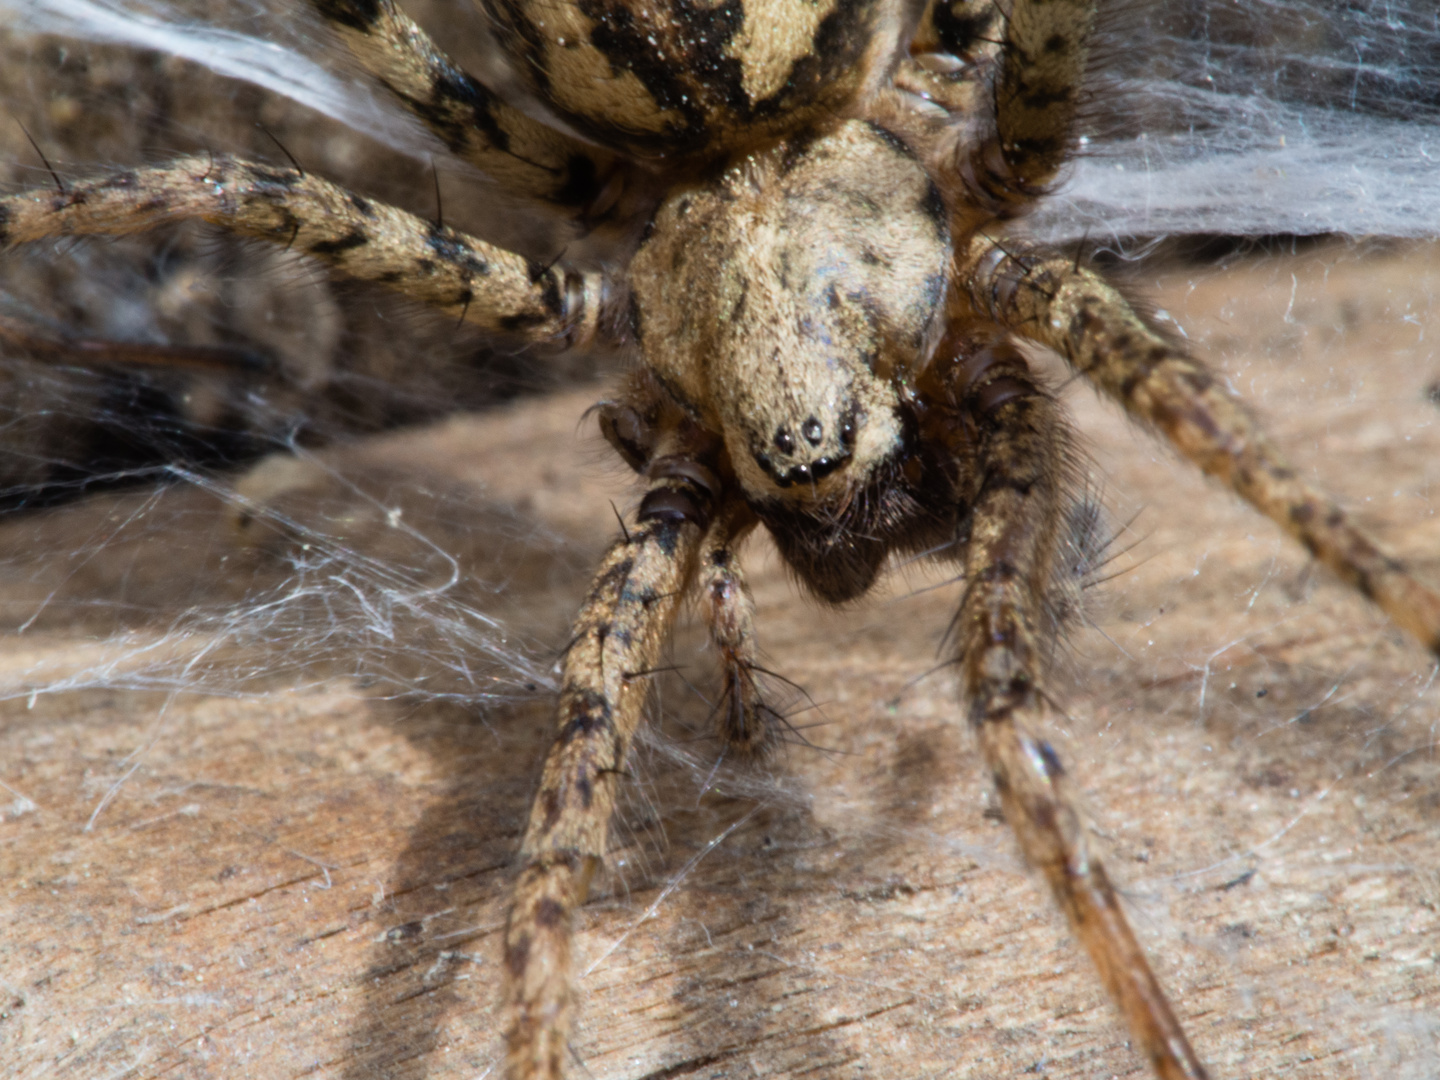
x=815, y=273
x=824, y=296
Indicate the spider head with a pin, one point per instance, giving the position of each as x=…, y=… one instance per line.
x=784, y=301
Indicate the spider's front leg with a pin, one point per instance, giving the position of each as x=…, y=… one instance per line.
x=488, y=286
x=613, y=651
x=1025, y=62
x=745, y=723
x=1046, y=297
x=1013, y=539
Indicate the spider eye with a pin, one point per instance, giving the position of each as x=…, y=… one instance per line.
x=812, y=431
x=784, y=441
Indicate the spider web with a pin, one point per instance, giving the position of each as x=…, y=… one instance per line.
x=321, y=600
x=1297, y=118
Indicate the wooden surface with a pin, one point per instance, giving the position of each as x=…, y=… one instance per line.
x=254, y=821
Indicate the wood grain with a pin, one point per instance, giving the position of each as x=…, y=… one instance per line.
x=246, y=840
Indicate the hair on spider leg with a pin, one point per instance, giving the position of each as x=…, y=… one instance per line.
x=786, y=733
x=780, y=730
x=620, y=518
x=59, y=185
x=651, y=672
x=1086, y=546
x=282, y=147
x=745, y=775
x=439, y=202
x=1096, y=579
x=1088, y=542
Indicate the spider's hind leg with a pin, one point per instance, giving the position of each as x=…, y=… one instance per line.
x=1014, y=539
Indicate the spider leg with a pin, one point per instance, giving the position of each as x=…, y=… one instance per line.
x=999, y=630
x=524, y=155
x=1037, y=93
x=1045, y=297
x=745, y=722
x=617, y=638
x=487, y=285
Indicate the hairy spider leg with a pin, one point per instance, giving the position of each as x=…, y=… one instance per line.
x=1045, y=297
x=1021, y=454
x=1037, y=94
x=490, y=287
x=744, y=722
x=526, y=157
x=623, y=624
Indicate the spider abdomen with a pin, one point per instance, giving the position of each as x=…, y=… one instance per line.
x=678, y=79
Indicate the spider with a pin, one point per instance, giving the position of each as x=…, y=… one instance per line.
x=825, y=295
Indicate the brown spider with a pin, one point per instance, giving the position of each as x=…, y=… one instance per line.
x=824, y=298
